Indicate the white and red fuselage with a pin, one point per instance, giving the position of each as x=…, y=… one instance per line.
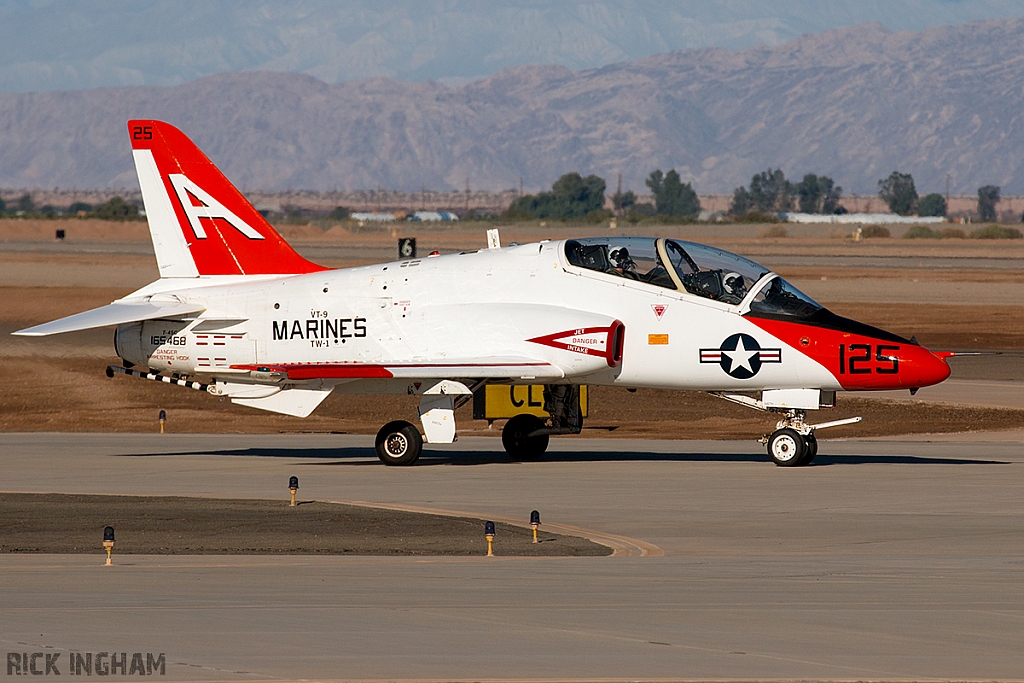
x=522, y=313
x=237, y=311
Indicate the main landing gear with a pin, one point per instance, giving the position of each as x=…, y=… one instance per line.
x=399, y=443
x=526, y=437
x=522, y=437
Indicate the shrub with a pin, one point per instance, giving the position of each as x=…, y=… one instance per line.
x=952, y=233
x=758, y=217
x=515, y=214
x=915, y=232
x=598, y=216
x=116, y=209
x=339, y=213
x=775, y=231
x=997, y=232
x=875, y=231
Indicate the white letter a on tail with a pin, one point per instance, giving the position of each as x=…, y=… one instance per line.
x=209, y=208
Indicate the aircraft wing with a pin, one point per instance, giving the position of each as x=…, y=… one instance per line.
x=112, y=314
x=491, y=368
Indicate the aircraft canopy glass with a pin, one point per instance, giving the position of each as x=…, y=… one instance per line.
x=695, y=268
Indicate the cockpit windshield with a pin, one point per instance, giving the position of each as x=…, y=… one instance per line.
x=779, y=298
x=713, y=273
x=694, y=268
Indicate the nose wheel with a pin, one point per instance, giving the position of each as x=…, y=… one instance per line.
x=789, y=448
x=786, y=447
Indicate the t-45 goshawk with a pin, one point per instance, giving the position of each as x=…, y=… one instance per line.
x=238, y=313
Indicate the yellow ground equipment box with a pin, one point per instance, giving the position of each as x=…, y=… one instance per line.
x=501, y=401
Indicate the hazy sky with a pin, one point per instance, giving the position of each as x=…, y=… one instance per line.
x=62, y=45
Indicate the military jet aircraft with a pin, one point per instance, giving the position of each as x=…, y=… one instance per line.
x=238, y=313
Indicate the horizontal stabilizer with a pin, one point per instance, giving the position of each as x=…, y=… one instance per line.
x=112, y=314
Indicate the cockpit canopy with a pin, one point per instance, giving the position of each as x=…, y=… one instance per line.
x=694, y=268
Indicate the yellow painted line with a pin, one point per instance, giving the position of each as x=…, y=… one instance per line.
x=622, y=546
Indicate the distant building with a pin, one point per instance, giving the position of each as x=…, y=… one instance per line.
x=373, y=217
x=433, y=216
x=865, y=218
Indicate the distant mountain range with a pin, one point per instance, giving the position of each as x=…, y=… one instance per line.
x=52, y=45
x=854, y=104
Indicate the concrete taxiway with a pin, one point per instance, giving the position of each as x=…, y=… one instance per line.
x=885, y=560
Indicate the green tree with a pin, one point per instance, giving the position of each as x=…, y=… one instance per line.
x=623, y=201
x=830, y=195
x=808, y=192
x=933, y=204
x=740, y=204
x=818, y=194
x=571, y=196
x=988, y=197
x=3, y=205
x=339, y=213
x=770, y=191
x=899, y=193
x=116, y=209
x=26, y=203
x=672, y=197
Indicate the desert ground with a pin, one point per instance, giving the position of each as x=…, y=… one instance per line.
x=956, y=294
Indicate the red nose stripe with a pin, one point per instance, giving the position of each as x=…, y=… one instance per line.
x=860, y=362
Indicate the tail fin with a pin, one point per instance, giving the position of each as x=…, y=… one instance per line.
x=200, y=223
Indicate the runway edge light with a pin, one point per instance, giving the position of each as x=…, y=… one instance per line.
x=534, y=523
x=108, y=542
x=163, y=419
x=293, y=486
x=489, y=533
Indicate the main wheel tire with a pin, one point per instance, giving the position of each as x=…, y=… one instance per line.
x=516, y=439
x=811, y=449
x=399, y=443
x=786, y=447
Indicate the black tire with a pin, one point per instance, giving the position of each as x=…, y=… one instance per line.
x=786, y=447
x=399, y=443
x=811, y=446
x=516, y=439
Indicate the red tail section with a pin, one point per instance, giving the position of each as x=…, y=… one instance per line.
x=200, y=223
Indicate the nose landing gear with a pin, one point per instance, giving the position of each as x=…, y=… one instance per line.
x=793, y=442
x=789, y=448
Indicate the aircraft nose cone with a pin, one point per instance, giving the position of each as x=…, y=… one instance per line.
x=931, y=368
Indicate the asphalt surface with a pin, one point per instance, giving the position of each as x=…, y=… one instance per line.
x=886, y=560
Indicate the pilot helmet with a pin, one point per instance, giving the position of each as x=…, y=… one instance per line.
x=733, y=284
x=619, y=258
